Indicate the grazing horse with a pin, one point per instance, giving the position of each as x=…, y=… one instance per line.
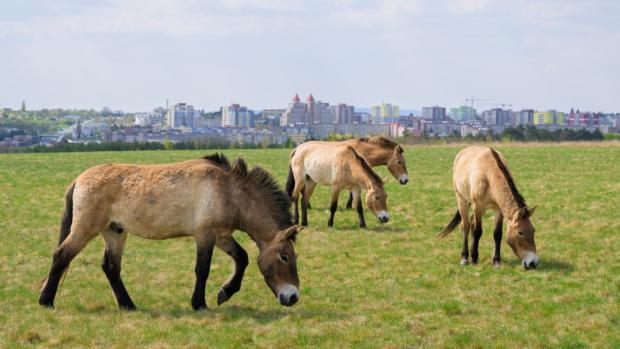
x=340, y=167
x=482, y=180
x=204, y=198
x=378, y=151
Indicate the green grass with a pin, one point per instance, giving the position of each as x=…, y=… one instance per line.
x=392, y=285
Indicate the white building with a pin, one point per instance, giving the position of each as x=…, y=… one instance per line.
x=307, y=114
x=385, y=112
x=236, y=115
x=181, y=114
x=148, y=119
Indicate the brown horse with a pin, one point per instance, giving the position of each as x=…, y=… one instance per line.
x=482, y=180
x=378, y=151
x=204, y=198
x=340, y=167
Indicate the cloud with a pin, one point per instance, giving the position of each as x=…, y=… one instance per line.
x=469, y=6
x=383, y=12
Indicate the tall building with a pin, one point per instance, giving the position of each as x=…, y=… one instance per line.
x=236, y=115
x=524, y=117
x=549, y=117
x=181, y=114
x=434, y=113
x=497, y=116
x=463, y=113
x=342, y=113
x=307, y=114
x=385, y=112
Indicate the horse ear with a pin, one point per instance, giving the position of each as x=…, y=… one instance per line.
x=531, y=211
x=386, y=179
x=290, y=233
x=522, y=213
x=399, y=149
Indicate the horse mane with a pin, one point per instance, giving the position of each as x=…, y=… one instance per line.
x=219, y=160
x=268, y=188
x=367, y=168
x=511, y=184
x=381, y=141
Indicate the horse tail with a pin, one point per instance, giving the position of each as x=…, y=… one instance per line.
x=450, y=227
x=65, y=227
x=67, y=216
x=290, y=180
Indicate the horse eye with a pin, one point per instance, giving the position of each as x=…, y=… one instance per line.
x=520, y=233
x=376, y=198
x=284, y=257
x=399, y=162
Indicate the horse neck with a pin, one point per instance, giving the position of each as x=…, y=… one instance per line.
x=502, y=195
x=360, y=178
x=255, y=218
x=374, y=154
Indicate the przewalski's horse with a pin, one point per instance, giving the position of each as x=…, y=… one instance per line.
x=205, y=198
x=341, y=168
x=482, y=180
x=378, y=151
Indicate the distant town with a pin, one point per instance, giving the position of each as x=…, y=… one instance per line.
x=299, y=121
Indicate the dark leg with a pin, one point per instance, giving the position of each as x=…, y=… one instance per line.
x=497, y=236
x=238, y=254
x=465, y=228
x=477, y=234
x=296, y=204
x=350, y=200
x=204, y=252
x=333, y=207
x=111, y=266
x=360, y=210
x=305, y=199
x=62, y=257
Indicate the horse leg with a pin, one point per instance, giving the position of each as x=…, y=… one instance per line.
x=305, y=201
x=299, y=186
x=497, y=236
x=309, y=191
x=204, y=251
x=333, y=207
x=237, y=253
x=78, y=238
x=360, y=209
x=350, y=200
x=478, y=213
x=463, y=207
x=114, y=246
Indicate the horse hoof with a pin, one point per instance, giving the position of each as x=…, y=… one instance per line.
x=497, y=264
x=474, y=262
x=127, y=307
x=222, y=297
x=464, y=261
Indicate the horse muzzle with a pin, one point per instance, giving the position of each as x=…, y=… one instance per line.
x=530, y=261
x=288, y=295
x=403, y=179
x=383, y=216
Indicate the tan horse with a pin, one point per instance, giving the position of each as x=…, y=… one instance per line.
x=204, y=198
x=341, y=168
x=378, y=151
x=482, y=180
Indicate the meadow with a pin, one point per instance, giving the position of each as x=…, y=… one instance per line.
x=390, y=286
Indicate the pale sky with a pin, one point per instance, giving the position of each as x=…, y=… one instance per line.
x=133, y=55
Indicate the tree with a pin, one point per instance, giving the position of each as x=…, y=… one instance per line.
x=167, y=144
x=23, y=109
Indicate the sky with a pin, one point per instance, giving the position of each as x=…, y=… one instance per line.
x=134, y=55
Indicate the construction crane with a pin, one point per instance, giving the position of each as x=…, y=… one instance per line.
x=473, y=100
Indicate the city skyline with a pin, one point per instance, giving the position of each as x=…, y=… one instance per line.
x=134, y=55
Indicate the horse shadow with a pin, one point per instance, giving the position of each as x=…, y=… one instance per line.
x=545, y=265
x=236, y=312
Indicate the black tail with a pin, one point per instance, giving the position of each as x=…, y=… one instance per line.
x=67, y=216
x=290, y=180
x=450, y=227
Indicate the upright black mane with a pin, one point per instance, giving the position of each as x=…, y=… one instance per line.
x=218, y=159
x=268, y=188
x=511, y=184
x=366, y=166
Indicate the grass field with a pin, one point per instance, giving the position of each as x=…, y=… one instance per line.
x=392, y=285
